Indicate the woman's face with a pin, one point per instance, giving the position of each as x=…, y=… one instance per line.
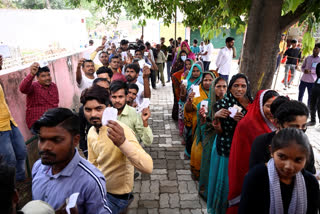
x=220, y=88
x=289, y=161
x=266, y=108
x=207, y=80
x=239, y=88
x=188, y=65
x=300, y=122
x=195, y=72
x=184, y=47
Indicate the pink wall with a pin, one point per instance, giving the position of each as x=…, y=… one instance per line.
x=63, y=72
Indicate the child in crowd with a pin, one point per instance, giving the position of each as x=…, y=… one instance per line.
x=282, y=185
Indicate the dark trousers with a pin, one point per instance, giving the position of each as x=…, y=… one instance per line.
x=315, y=103
x=226, y=77
x=169, y=64
x=302, y=87
x=206, y=65
x=153, y=78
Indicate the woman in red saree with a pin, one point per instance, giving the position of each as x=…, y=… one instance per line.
x=257, y=121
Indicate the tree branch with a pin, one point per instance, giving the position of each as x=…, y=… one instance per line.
x=291, y=18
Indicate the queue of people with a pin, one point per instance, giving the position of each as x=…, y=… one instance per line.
x=249, y=154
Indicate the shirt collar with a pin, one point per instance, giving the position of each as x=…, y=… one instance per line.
x=69, y=169
x=125, y=111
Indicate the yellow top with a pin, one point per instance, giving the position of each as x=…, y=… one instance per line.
x=117, y=163
x=282, y=46
x=92, y=57
x=5, y=115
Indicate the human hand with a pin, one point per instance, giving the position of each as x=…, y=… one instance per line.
x=238, y=116
x=146, y=72
x=191, y=96
x=100, y=48
x=34, y=68
x=202, y=112
x=115, y=133
x=217, y=126
x=81, y=61
x=222, y=113
x=145, y=114
x=104, y=40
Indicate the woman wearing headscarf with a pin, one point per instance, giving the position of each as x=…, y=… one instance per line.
x=190, y=109
x=183, y=47
x=230, y=110
x=207, y=132
x=193, y=79
x=257, y=121
x=176, y=83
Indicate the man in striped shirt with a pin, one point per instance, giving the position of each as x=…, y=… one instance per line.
x=61, y=170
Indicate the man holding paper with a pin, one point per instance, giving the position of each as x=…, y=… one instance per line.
x=128, y=115
x=114, y=149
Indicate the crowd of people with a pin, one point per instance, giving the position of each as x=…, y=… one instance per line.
x=250, y=155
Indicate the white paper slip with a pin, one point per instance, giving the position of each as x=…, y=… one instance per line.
x=5, y=51
x=132, y=52
x=72, y=202
x=86, y=56
x=204, y=104
x=233, y=111
x=142, y=62
x=145, y=104
x=109, y=113
x=185, y=82
x=146, y=54
x=196, y=90
x=43, y=63
x=124, y=55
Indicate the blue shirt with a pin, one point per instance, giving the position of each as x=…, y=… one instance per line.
x=78, y=176
x=195, y=49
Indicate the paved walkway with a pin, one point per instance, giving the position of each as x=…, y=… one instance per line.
x=169, y=189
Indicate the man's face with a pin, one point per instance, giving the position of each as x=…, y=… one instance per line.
x=115, y=63
x=93, y=111
x=44, y=79
x=119, y=99
x=132, y=95
x=56, y=145
x=88, y=68
x=294, y=45
x=104, y=59
x=162, y=40
x=316, y=51
x=138, y=54
x=230, y=44
x=131, y=74
x=124, y=47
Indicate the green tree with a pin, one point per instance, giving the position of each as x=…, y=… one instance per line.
x=265, y=21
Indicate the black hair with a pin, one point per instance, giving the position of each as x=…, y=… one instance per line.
x=97, y=80
x=183, y=51
x=317, y=45
x=288, y=111
x=238, y=76
x=218, y=79
x=42, y=69
x=133, y=86
x=318, y=70
x=103, y=70
x=162, y=38
x=179, y=38
x=7, y=186
x=118, y=85
x=289, y=136
x=278, y=102
x=138, y=50
x=124, y=42
x=269, y=94
x=293, y=41
x=90, y=41
x=229, y=39
x=103, y=52
x=62, y=117
x=87, y=60
x=97, y=93
x=114, y=57
x=148, y=43
x=133, y=66
x=186, y=40
x=171, y=39
x=195, y=41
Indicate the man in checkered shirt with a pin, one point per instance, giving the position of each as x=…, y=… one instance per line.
x=41, y=95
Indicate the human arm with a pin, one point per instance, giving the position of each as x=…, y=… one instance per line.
x=126, y=141
x=234, y=52
x=92, y=156
x=219, y=59
x=94, y=53
x=153, y=64
x=78, y=73
x=189, y=106
x=303, y=67
x=146, y=73
x=26, y=86
x=142, y=128
x=183, y=92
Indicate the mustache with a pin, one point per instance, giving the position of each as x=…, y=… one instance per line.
x=47, y=153
x=94, y=118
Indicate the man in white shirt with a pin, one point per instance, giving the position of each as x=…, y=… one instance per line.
x=132, y=73
x=206, y=54
x=224, y=59
x=86, y=78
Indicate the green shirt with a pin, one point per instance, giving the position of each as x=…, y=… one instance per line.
x=131, y=118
